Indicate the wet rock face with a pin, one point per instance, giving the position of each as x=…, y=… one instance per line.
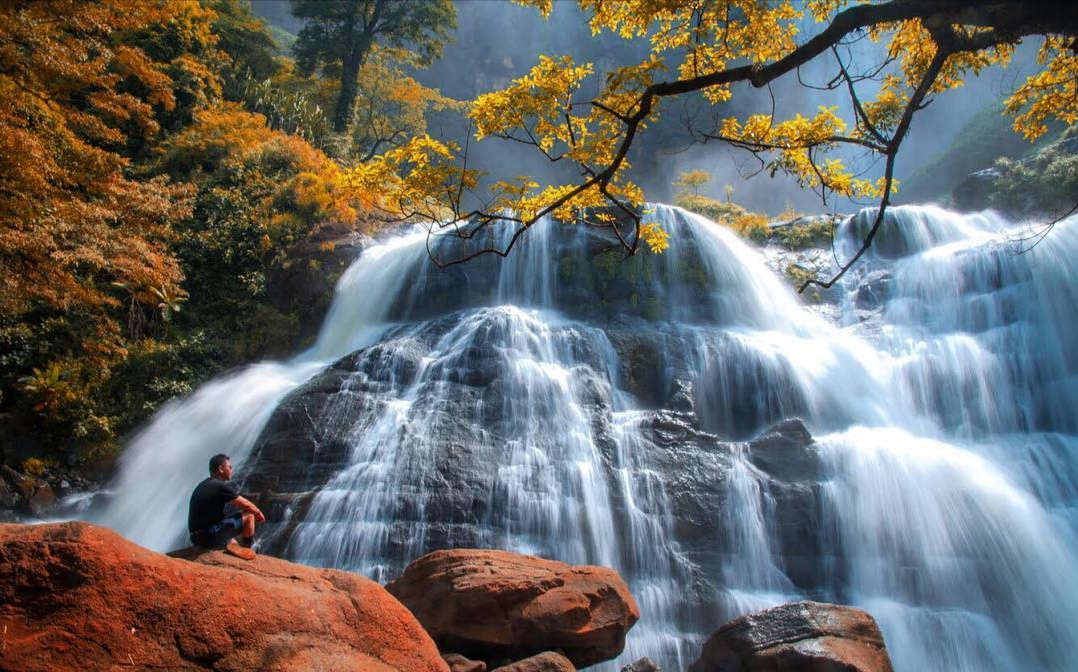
x=785, y=453
x=494, y=603
x=461, y=421
x=24, y=494
x=797, y=637
x=695, y=468
x=644, y=664
x=591, y=277
x=303, y=285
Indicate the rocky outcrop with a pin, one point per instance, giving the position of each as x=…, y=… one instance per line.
x=547, y=661
x=20, y=493
x=797, y=637
x=459, y=663
x=644, y=664
x=488, y=604
x=302, y=285
x=78, y=597
x=975, y=191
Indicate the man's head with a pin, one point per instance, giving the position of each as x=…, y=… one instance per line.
x=221, y=467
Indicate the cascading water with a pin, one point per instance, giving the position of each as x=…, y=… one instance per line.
x=575, y=405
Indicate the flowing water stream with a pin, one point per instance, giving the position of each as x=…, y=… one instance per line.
x=945, y=489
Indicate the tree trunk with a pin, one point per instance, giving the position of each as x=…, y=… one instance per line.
x=342, y=112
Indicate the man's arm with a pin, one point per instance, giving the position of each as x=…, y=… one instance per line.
x=244, y=504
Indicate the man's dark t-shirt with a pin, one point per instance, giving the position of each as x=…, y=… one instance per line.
x=208, y=503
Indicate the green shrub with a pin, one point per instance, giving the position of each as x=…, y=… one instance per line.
x=801, y=234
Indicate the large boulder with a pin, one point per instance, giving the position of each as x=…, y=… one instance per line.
x=77, y=596
x=797, y=637
x=493, y=603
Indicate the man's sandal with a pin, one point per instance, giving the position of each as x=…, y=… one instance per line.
x=239, y=551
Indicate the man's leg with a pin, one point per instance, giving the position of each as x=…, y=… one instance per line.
x=247, y=534
x=229, y=529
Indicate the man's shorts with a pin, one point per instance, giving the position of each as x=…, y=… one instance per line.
x=218, y=534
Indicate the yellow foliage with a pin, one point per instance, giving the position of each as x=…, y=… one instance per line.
x=71, y=221
x=751, y=225
x=390, y=106
x=1052, y=92
x=699, y=42
x=692, y=180
x=416, y=179
x=656, y=238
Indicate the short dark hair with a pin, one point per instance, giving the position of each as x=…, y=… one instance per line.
x=216, y=461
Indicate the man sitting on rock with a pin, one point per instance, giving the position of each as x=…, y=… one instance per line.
x=209, y=525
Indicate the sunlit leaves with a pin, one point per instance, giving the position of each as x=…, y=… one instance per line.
x=1050, y=93
x=391, y=106
x=656, y=238
x=798, y=145
x=534, y=105
x=420, y=178
x=711, y=45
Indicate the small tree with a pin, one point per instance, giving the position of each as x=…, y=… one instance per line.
x=692, y=181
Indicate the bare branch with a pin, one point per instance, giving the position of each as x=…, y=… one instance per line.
x=1045, y=230
x=912, y=106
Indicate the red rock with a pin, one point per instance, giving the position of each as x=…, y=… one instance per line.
x=458, y=663
x=797, y=637
x=500, y=603
x=75, y=596
x=547, y=661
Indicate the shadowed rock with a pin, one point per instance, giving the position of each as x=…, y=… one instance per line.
x=548, y=661
x=797, y=637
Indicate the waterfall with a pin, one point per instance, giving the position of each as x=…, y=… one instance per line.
x=574, y=404
x=159, y=465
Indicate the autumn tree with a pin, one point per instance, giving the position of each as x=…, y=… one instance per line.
x=391, y=106
x=709, y=48
x=83, y=245
x=690, y=181
x=340, y=34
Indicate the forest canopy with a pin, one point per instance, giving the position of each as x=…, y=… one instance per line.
x=160, y=163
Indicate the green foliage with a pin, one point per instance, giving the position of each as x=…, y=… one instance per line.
x=1045, y=183
x=291, y=104
x=249, y=43
x=802, y=233
x=284, y=40
x=713, y=209
x=339, y=35
x=157, y=371
x=986, y=137
x=799, y=275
